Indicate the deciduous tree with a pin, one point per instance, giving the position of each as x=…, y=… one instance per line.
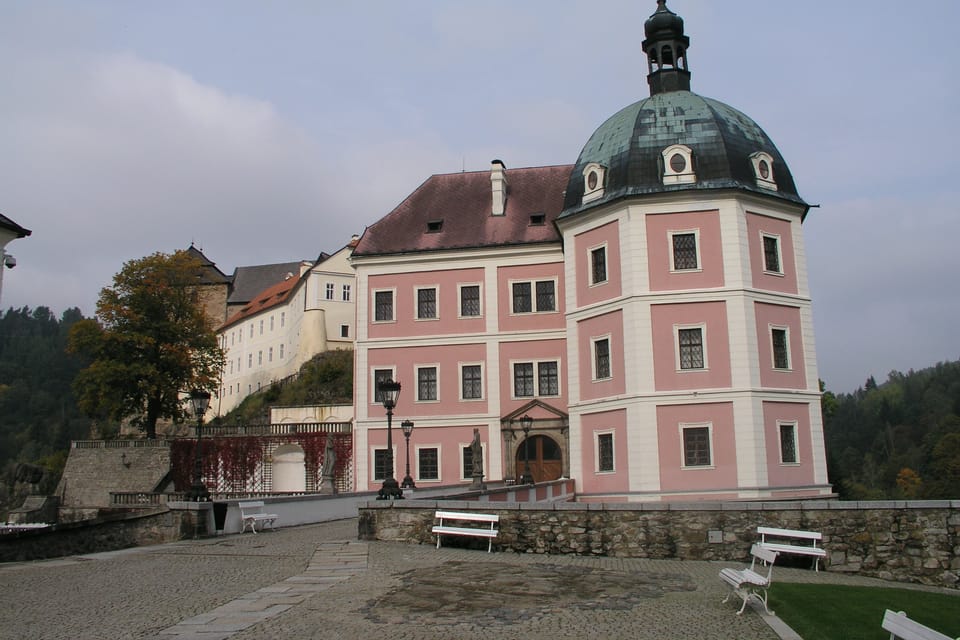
x=150, y=342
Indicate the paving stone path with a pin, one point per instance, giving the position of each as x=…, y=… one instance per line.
x=319, y=582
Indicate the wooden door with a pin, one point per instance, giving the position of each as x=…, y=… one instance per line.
x=546, y=458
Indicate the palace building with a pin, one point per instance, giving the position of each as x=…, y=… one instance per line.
x=639, y=321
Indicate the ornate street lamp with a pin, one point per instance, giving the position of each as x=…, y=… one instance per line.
x=525, y=423
x=407, y=427
x=389, y=392
x=200, y=400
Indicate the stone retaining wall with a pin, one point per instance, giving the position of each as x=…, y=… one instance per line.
x=106, y=533
x=902, y=541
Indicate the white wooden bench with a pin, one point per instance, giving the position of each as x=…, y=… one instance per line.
x=902, y=627
x=252, y=513
x=749, y=581
x=465, y=524
x=783, y=541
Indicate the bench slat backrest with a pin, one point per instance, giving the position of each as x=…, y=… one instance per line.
x=476, y=517
x=765, y=556
x=789, y=533
x=900, y=626
x=249, y=506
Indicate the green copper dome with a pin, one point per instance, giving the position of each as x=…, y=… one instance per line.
x=725, y=148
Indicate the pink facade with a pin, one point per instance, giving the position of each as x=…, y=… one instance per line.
x=594, y=384
x=536, y=319
x=665, y=275
x=596, y=478
x=791, y=416
x=606, y=239
x=448, y=441
x=405, y=286
x=668, y=320
x=678, y=476
x=785, y=321
x=536, y=352
x=759, y=227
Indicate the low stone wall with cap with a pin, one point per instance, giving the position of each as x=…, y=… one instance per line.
x=907, y=541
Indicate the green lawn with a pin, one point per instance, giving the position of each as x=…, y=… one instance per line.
x=828, y=612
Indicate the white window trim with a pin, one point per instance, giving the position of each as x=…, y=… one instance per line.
x=483, y=389
x=330, y=291
x=606, y=260
x=373, y=381
x=683, y=457
x=536, y=378
x=436, y=302
x=416, y=378
x=676, y=346
x=483, y=453
x=373, y=462
x=796, y=442
x=533, y=296
x=460, y=287
x=346, y=292
x=773, y=355
x=687, y=176
x=416, y=460
x=373, y=305
x=763, y=253
x=696, y=240
x=593, y=357
x=589, y=195
x=596, y=451
x=755, y=160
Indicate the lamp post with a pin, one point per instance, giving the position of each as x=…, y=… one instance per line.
x=200, y=400
x=525, y=423
x=407, y=427
x=389, y=392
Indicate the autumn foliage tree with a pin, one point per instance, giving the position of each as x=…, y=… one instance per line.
x=150, y=343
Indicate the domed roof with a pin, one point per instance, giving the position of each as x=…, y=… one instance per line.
x=629, y=148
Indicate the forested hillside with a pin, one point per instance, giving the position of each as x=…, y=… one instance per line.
x=38, y=412
x=899, y=439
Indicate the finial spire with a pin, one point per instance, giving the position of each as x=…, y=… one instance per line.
x=666, y=49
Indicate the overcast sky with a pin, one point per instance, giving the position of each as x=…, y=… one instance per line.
x=271, y=131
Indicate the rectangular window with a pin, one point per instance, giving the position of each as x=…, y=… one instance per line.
x=781, y=352
x=260, y=357
x=523, y=379
x=233, y=335
x=381, y=465
x=281, y=351
x=690, y=343
x=261, y=327
x=685, y=251
x=467, y=458
x=344, y=331
x=471, y=382
x=470, y=300
x=426, y=304
x=380, y=375
x=270, y=354
x=696, y=446
x=251, y=329
x=601, y=359
x=788, y=442
x=771, y=254
x=598, y=265
x=345, y=293
x=330, y=290
x=283, y=318
x=604, y=452
x=428, y=463
x=383, y=306
x=546, y=296
x=549, y=378
x=426, y=384
x=271, y=323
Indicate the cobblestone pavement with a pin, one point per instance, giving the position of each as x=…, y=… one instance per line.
x=319, y=582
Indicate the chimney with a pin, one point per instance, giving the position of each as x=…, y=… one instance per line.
x=498, y=182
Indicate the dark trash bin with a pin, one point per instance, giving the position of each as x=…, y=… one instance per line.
x=220, y=515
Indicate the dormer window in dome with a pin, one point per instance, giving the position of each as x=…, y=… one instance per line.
x=594, y=175
x=678, y=165
x=763, y=169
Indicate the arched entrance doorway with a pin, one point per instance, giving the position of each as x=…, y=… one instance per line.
x=289, y=468
x=546, y=458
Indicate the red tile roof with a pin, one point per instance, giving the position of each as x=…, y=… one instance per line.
x=463, y=202
x=266, y=299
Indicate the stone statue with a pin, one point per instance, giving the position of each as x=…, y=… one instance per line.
x=327, y=481
x=476, y=451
